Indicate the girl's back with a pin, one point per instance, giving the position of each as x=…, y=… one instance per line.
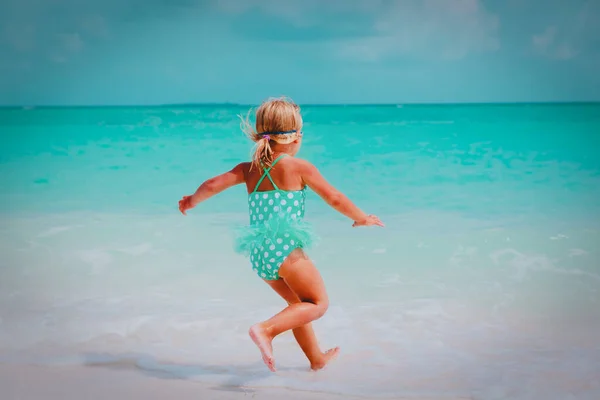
x=286, y=174
x=286, y=206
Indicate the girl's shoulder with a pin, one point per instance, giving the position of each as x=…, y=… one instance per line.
x=295, y=161
x=302, y=164
x=296, y=164
x=241, y=170
x=303, y=168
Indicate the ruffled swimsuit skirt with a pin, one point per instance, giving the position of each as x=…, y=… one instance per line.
x=277, y=228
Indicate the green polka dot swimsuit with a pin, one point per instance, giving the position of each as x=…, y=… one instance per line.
x=277, y=227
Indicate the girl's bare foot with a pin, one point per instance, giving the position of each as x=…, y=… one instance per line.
x=327, y=356
x=263, y=341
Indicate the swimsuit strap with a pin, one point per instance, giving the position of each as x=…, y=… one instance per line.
x=266, y=174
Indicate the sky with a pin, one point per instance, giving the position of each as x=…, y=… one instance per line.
x=146, y=52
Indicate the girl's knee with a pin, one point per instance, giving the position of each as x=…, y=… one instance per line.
x=322, y=307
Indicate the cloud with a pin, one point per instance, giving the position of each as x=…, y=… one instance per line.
x=70, y=42
x=439, y=29
x=39, y=31
x=85, y=18
x=94, y=25
x=543, y=40
x=64, y=46
x=369, y=29
x=300, y=13
x=21, y=37
x=547, y=44
x=55, y=31
x=58, y=59
x=307, y=21
x=577, y=32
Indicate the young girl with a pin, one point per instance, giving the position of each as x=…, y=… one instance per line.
x=277, y=235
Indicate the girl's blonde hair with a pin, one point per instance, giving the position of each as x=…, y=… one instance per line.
x=272, y=116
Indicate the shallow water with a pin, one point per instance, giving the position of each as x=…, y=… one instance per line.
x=485, y=282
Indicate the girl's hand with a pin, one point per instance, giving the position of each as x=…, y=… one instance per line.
x=185, y=204
x=369, y=221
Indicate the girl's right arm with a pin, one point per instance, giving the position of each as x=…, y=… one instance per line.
x=213, y=186
x=336, y=199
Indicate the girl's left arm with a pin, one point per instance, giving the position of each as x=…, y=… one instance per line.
x=213, y=186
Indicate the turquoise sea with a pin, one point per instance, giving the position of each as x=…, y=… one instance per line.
x=485, y=282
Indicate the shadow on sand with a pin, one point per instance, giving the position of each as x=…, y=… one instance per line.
x=237, y=377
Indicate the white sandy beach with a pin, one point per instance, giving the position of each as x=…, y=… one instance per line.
x=25, y=382
x=127, y=319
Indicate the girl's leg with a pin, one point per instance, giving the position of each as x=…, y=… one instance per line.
x=305, y=335
x=304, y=280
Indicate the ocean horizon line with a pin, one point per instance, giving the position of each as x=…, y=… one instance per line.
x=233, y=104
